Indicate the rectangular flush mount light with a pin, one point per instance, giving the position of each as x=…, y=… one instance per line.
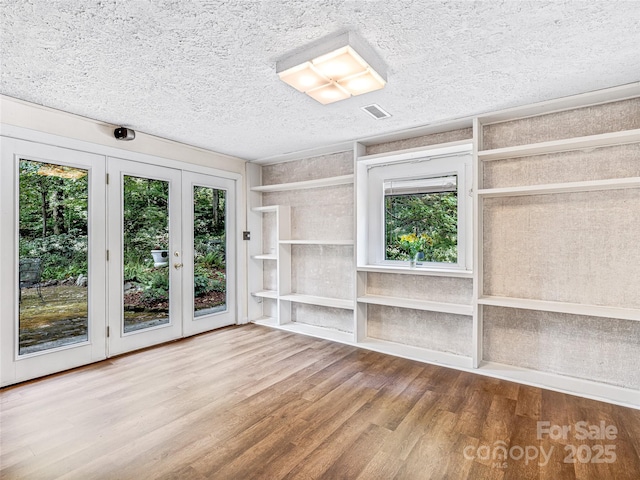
x=334, y=70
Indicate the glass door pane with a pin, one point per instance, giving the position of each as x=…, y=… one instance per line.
x=53, y=256
x=145, y=253
x=209, y=245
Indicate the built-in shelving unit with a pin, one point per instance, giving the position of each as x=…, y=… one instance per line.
x=366, y=300
x=521, y=123
x=284, y=295
x=420, y=295
x=416, y=305
x=282, y=260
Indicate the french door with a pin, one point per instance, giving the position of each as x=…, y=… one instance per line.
x=144, y=206
x=52, y=239
x=171, y=254
x=209, y=252
x=102, y=256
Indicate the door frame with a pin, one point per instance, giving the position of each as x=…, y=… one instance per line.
x=174, y=149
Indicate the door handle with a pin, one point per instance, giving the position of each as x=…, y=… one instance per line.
x=177, y=265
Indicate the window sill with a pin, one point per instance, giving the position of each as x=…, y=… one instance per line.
x=436, y=272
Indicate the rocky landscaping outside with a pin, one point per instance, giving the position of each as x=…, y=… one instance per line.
x=60, y=317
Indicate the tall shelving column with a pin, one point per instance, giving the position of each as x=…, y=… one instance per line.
x=282, y=259
x=477, y=335
x=595, y=167
x=438, y=308
x=283, y=268
x=256, y=273
x=284, y=294
x=359, y=229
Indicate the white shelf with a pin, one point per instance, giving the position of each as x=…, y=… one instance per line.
x=266, y=294
x=266, y=321
x=382, y=346
x=560, y=383
x=416, y=353
x=315, y=300
x=454, y=308
x=316, y=242
x=562, y=307
x=588, y=186
x=267, y=209
x=436, y=272
x=312, y=331
x=565, y=145
x=320, y=182
x=418, y=152
x=265, y=256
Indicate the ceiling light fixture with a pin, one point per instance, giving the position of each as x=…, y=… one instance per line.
x=334, y=70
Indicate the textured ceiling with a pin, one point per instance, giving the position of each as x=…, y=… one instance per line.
x=203, y=72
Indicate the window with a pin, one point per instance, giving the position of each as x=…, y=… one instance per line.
x=421, y=220
x=416, y=210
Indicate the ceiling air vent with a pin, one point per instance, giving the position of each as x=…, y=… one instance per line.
x=376, y=111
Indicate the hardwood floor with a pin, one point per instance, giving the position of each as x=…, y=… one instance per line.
x=251, y=402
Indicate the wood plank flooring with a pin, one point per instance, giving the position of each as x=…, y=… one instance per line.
x=250, y=402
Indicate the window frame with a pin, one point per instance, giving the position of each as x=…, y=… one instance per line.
x=372, y=174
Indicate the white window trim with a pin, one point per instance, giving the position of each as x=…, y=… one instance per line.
x=370, y=203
